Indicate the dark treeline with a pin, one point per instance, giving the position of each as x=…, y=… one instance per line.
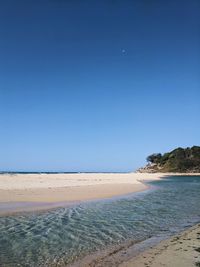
x=178, y=160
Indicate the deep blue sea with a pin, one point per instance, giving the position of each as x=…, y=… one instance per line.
x=60, y=236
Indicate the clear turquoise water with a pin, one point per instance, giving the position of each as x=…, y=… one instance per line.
x=60, y=236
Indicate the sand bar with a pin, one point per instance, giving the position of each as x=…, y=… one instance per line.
x=68, y=187
x=46, y=189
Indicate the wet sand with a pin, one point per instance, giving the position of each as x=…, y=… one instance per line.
x=182, y=250
x=41, y=199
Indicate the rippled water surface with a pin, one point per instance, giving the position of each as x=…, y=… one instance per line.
x=60, y=236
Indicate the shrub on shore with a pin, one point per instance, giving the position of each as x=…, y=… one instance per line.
x=178, y=160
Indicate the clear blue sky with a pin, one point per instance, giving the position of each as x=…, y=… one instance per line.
x=97, y=85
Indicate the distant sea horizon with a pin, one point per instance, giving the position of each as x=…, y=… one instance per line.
x=58, y=172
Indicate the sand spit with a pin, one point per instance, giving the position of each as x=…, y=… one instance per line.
x=20, y=192
x=69, y=187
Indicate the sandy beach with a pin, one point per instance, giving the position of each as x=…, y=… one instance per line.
x=37, y=191
x=28, y=192
x=69, y=187
x=182, y=250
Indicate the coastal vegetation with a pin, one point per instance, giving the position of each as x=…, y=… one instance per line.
x=178, y=160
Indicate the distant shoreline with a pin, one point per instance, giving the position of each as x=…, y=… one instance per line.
x=48, y=172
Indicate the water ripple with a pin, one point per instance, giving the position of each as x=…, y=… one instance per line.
x=60, y=236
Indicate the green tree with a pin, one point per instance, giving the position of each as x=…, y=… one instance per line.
x=154, y=158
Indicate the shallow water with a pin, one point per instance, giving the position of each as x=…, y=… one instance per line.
x=60, y=236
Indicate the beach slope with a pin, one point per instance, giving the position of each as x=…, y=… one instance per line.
x=182, y=250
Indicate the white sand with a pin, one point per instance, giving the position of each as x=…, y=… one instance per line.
x=51, y=188
x=30, y=181
x=67, y=187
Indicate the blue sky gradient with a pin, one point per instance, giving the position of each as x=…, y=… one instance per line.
x=97, y=85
